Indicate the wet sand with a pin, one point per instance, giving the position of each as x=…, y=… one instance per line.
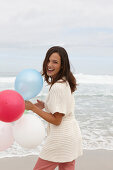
x=91, y=160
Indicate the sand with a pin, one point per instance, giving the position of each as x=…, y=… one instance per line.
x=91, y=160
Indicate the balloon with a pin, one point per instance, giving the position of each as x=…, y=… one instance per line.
x=29, y=131
x=26, y=111
x=6, y=136
x=29, y=83
x=12, y=105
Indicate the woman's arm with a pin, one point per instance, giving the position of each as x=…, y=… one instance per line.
x=55, y=118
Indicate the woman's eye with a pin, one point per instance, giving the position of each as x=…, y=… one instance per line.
x=55, y=62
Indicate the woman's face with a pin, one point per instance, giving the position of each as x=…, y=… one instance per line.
x=54, y=65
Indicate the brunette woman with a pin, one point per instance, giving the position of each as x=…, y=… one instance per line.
x=64, y=142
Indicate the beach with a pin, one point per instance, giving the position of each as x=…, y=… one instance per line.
x=94, y=98
x=91, y=160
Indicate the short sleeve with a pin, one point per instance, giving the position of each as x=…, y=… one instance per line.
x=58, y=99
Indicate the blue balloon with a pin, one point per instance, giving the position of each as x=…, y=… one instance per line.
x=29, y=83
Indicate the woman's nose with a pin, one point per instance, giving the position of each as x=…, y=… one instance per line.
x=49, y=64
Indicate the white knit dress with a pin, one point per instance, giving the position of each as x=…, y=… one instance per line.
x=64, y=142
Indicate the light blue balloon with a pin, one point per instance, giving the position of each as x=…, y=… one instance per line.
x=29, y=83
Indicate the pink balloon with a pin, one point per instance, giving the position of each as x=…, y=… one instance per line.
x=6, y=136
x=12, y=105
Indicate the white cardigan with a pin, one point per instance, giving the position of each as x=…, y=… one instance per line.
x=64, y=142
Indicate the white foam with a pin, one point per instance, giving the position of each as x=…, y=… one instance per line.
x=94, y=79
x=7, y=79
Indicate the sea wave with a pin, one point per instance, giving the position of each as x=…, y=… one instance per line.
x=81, y=78
x=94, y=79
x=95, y=95
x=7, y=79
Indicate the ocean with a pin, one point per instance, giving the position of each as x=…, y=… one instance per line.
x=93, y=111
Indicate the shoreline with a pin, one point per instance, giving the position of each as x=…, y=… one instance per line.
x=99, y=159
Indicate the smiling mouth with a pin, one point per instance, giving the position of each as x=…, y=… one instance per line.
x=50, y=70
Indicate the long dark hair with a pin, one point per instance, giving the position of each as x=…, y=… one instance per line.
x=64, y=70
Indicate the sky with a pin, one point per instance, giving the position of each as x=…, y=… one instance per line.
x=28, y=28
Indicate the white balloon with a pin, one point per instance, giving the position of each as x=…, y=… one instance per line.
x=6, y=135
x=29, y=130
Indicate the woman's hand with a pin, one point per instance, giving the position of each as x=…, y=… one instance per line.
x=40, y=104
x=28, y=105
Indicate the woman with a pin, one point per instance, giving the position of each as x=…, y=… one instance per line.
x=64, y=142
